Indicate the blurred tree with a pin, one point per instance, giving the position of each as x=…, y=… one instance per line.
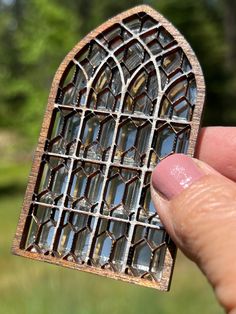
x=230, y=31
x=11, y=67
x=229, y=7
x=36, y=35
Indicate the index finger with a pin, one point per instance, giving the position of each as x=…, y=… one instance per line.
x=217, y=147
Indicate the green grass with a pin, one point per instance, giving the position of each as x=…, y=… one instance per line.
x=34, y=287
x=13, y=177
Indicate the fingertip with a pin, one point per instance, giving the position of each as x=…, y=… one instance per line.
x=217, y=147
x=174, y=174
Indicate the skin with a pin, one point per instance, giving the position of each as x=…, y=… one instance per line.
x=217, y=147
x=202, y=218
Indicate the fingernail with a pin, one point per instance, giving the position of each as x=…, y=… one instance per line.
x=174, y=174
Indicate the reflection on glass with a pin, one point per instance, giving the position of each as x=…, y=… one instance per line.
x=142, y=257
x=66, y=240
x=46, y=235
x=102, y=249
x=82, y=245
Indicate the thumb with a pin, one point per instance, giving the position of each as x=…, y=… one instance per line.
x=197, y=206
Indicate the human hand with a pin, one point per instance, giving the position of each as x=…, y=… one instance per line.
x=197, y=205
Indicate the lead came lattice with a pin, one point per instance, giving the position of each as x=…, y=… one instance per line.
x=125, y=97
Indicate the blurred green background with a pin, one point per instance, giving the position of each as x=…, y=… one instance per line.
x=35, y=36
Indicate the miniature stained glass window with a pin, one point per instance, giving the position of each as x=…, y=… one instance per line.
x=128, y=95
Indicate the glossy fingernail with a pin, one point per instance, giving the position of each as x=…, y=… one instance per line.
x=174, y=174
